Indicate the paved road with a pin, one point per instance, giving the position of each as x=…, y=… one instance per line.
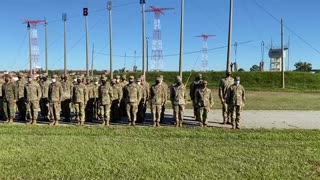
x=250, y=119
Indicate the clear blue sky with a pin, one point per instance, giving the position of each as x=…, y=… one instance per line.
x=251, y=23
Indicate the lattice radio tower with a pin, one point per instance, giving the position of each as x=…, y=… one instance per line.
x=204, y=51
x=35, y=51
x=157, y=56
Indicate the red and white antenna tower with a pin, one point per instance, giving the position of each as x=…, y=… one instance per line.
x=204, y=51
x=157, y=55
x=35, y=51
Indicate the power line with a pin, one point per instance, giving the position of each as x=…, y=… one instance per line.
x=288, y=28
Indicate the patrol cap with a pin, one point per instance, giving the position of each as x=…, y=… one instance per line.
x=139, y=80
x=205, y=82
x=88, y=78
x=199, y=75
x=113, y=80
x=131, y=77
x=45, y=75
x=237, y=78
x=178, y=78
x=158, y=78
x=124, y=76
x=95, y=79
x=20, y=75
x=30, y=76
x=104, y=78
x=161, y=76
x=142, y=77
x=54, y=76
x=118, y=77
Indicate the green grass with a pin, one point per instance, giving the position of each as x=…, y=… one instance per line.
x=43, y=152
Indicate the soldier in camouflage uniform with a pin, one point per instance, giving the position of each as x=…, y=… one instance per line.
x=225, y=83
x=165, y=88
x=123, y=83
x=157, y=99
x=89, y=107
x=131, y=96
x=105, y=97
x=67, y=87
x=9, y=96
x=204, y=101
x=145, y=91
x=79, y=99
x=1, y=98
x=95, y=87
x=196, y=84
x=21, y=100
x=44, y=103
x=32, y=93
x=116, y=97
x=55, y=98
x=178, y=100
x=235, y=99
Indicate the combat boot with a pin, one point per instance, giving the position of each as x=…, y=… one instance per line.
x=56, y=123
x=129, y=123
x=107, y=123
x=81, y=123
x=52, y=123
x=158, y=123
x=7, y=121
x=133, y=123
x=10, y=121
x=177, y=123
x=103, y=122
x=30, y=121
x=34, y=122
x=154, y=124
x=180, y=124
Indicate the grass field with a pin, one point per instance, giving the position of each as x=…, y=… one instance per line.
x=119, y=152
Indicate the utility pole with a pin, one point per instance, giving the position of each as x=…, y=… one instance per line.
x=110, y=36
x=30, y=56
x=147, y=39
x=64, y=18
x=229, y=36
x=92, y=60
x=282, y=55
x=181, y=38
x=85, y=14
x=46, y=43
x=142, y=2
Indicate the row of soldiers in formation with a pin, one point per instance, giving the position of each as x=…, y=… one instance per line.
x=90, y=98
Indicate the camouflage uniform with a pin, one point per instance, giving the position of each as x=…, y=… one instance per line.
x=67, y=87
x=90, y=103
x=9, y=96
x=123, y=107
x=204, y=101
x=95, y=90
x=196, y=84
x=55, y=98
x=142, y=107
x=157, y=99
x=105, y=97
x=235, y=100
x=32, y=93
x=44, y=103
x=1, y=99
x=79, y=98
x=131, y=96
x=116, y=97
x=21, y=103
x=178, y=101
x=225, y=83
x=165, y=88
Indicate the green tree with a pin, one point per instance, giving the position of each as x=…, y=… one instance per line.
x=303, y=66
x=255, y=68
x=241, y=70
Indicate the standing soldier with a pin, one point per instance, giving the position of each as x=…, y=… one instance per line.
x=204, y=101
x=196, y=84
x=55, y=97
x=123, y=83
x=44, y=103
x=225, y=83
x=9, y=96
x=79, y=98
x=116, y=97
x=95, y=87
x=89, y=107
x=131, y=96
x=178, y=100
x=1, y=99
x=165, y=90
x=20, y=95
x=32, y=93
x=144, y=91
x=235, y=99
x=157, y=99
x=105, y=96
x=67, y=88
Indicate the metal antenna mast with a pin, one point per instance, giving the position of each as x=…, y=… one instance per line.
x=204, y=51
